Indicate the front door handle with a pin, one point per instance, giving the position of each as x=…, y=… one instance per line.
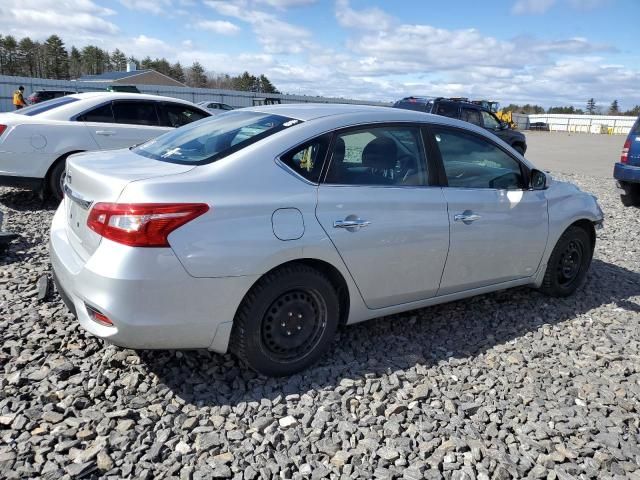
x=106, y=133
x=467, y=217
x=351, y=225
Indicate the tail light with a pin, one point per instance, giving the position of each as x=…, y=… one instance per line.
x=2, y=129
x=98, y=316
x=142, y=224
x=624, y=157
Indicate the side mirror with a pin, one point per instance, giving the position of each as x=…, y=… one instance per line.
x=504, y=125
x=538, y=180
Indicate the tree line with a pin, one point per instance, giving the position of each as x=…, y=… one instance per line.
x=52, y=59
x=592, y=108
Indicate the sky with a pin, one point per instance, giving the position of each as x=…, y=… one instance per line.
x=545, y=52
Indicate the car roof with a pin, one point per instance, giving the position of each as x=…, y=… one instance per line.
x=125, y=96
x=312, y=111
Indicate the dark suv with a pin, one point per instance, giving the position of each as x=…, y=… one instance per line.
x=44, y=95
x=469, y=112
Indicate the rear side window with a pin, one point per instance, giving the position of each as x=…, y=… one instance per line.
x=45, y=106
x=447, y=109
x=177, y=115
x=471, y=115
x=471, y=161
x=135, y=113
x=378, y=156
x=635, y=130
x=214, y=138
x=307, y=160
x=101, y=114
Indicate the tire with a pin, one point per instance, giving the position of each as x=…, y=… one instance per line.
x=55, y=179
x=631, y=197
x=568, y=264
x=286, y=322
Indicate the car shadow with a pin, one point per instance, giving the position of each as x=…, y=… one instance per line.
x=26, y=200
x=423, y=337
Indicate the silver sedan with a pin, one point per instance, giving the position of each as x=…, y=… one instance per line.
x=262, y=230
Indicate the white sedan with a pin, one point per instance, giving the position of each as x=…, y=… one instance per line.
x=35, y=141
x=265, y=228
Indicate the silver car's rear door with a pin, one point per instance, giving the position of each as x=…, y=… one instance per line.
x=390, y=228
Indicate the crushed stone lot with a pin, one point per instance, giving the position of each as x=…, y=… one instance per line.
x=507, y=385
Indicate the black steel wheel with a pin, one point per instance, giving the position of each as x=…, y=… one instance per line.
x=568, y=264
x=287, y=321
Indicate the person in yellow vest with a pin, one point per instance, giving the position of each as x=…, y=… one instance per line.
x=18, y=98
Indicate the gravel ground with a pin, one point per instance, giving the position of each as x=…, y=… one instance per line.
x=507, y=385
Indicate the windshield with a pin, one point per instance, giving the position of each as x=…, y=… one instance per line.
x=210, y=139
x=45, y=106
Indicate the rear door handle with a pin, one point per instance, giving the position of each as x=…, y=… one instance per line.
x=351, y=225
x=106, y=133
x=467, y=217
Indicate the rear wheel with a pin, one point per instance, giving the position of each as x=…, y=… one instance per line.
x=631, y=196
x=569, y=262
x=55, y=181
x=287, y=321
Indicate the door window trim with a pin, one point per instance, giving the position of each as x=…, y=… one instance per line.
x=430, y=180
x=442, y=175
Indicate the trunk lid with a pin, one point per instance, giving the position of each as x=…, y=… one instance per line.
x=101, y=177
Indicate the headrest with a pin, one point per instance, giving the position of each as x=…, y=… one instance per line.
x=339, y=150
x=380, y=153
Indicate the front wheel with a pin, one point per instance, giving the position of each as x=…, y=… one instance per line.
x=287, y=321
x=569, y=262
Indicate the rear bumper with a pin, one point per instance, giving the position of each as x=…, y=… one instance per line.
x=626, y=173
x=146, y=293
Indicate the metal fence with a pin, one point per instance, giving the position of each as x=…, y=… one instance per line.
x=234, y=98
x=612, y=125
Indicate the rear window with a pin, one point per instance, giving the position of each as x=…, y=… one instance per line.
x=45, y=106
x=417, y=105
x=213, y=138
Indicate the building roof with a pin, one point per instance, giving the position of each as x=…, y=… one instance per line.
x=109, y=76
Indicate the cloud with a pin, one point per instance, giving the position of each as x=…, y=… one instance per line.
x=276, y=36
x=221, y=27
x=284, y=4
x=367, y=19
x=532, y=7
x=74, y=20
x=157, y=7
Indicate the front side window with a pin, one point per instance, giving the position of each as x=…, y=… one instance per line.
x=101, y=114
x=378, y=156
x=306, y=160
x=490, y=121
x=214, y=138
x=136, y=113
x=447, y=109
x=45, y=106
x=473, y=162
x=177, y=115
x=471, y=115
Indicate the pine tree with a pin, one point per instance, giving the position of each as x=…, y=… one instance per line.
x=8, y=56
x=614, y=109
x=196, y=76
x=57, y=58
x=75, y=63
x=118, y=61
x=591, y=106
x=28, y=57
x=177, y=73
x=266, y=86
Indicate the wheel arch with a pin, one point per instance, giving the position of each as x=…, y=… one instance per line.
x=333, y=274
x=61, y=158
x=587, y=226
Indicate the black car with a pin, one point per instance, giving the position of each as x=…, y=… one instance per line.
x=463, y=109
x=44, y=95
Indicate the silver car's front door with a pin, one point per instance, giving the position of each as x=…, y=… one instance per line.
x=390, y=228
x=499, y=228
